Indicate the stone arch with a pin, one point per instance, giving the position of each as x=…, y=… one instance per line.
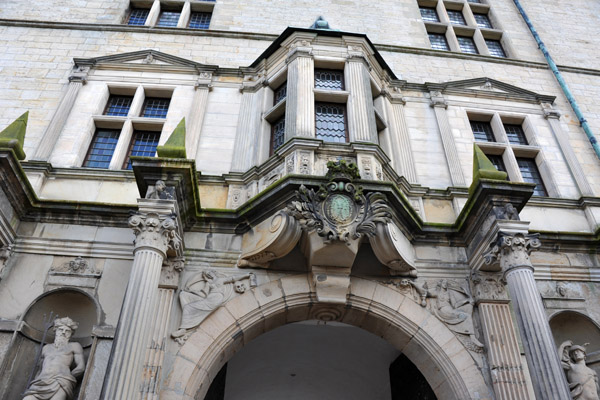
x=428, y=343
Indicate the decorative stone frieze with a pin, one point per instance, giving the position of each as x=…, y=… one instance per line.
x=488, y=287
x=203, y=293
x=78, y=272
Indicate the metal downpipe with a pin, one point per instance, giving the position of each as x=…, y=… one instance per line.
x=560, y=80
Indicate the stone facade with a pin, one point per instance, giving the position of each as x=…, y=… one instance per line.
x=488, y=287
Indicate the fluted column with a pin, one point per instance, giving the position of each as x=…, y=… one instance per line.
x=50, y=137
x=156, y=232
x=300, y=107
x=512, y=252
x=361, y=112
x=504, y=357
x=439, y=107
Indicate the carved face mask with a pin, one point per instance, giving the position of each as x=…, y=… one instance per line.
x=240, y=287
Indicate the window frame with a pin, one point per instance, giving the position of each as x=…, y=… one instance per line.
x=346, y=131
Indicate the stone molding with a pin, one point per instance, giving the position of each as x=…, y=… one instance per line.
x=488, y=287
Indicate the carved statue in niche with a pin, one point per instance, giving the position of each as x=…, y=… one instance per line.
x=454, y=306
x=160, y=192
x=583, y=381
x=57, y=380
x=203, y=293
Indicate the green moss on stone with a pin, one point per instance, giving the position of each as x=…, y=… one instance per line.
x=483, y=168
x=175, y=145
x=13, y=136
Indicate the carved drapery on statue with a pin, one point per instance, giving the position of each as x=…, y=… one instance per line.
x=203, y=293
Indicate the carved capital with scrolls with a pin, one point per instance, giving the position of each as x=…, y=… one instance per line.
x=512, y=251
x=155, y=231
x=488, y=287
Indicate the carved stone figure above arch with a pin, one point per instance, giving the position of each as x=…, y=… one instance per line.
x=372, y=306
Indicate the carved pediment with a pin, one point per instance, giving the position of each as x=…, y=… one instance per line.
x=487, y=87
x=146, y=59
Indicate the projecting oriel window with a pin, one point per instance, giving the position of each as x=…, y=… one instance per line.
x=515, y=134
x=482, y=131
x=467, y=45
x=456, y=17
x=118, y=106
x=138, y=16
x=143, y=144
x=429, y=14
x=155, y=107
x=531, y=174
x=438, y=41
x=495, y=48
x=330, y=122
x=329, y=79
x=200, y=20
x=168, y=18
x=483, y=21
x=102, y=148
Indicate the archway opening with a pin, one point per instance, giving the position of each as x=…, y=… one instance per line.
x=319, y=360
x=581, y=330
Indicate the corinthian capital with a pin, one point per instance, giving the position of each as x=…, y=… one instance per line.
x=155, y=231
x=512, y=251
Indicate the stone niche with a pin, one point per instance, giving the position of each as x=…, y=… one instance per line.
x=19, y=362
x=579, y=328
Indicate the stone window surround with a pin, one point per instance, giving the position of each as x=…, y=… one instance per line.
x=185, y=7
x=509, y=151
x=133, y=121
x=472, y=29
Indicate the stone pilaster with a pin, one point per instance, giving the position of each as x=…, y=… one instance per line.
x=198, y=111
x=361, y=112
x=155, y=353
x=246, y=139
x=155, y=228
x=403, y=160
x=512, y=251
x=50, y=137
x=439, y=106
x=300, y=107
x=504, y=357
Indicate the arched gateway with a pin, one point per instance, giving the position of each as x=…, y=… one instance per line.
x=428, y=343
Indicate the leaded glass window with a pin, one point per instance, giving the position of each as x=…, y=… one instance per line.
x=200, y=20
x=483, y=21
x=515, y=134
x=280, y=93
x=277, y=134
x=102, y=148
x=429, y=14
x=467, y=45
x=438, y=41
x=495, y=48
x=138, y=16
x=496, y=159
x=155, y=107
x=329, y=79
x=531, y=174
x=168, y=18
x=456, y=17
x=330, y=121
x=118, y=106
x=143, y=144
x=482, y=131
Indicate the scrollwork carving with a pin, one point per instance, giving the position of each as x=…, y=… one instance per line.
x=512, y=251
x=155, y=231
